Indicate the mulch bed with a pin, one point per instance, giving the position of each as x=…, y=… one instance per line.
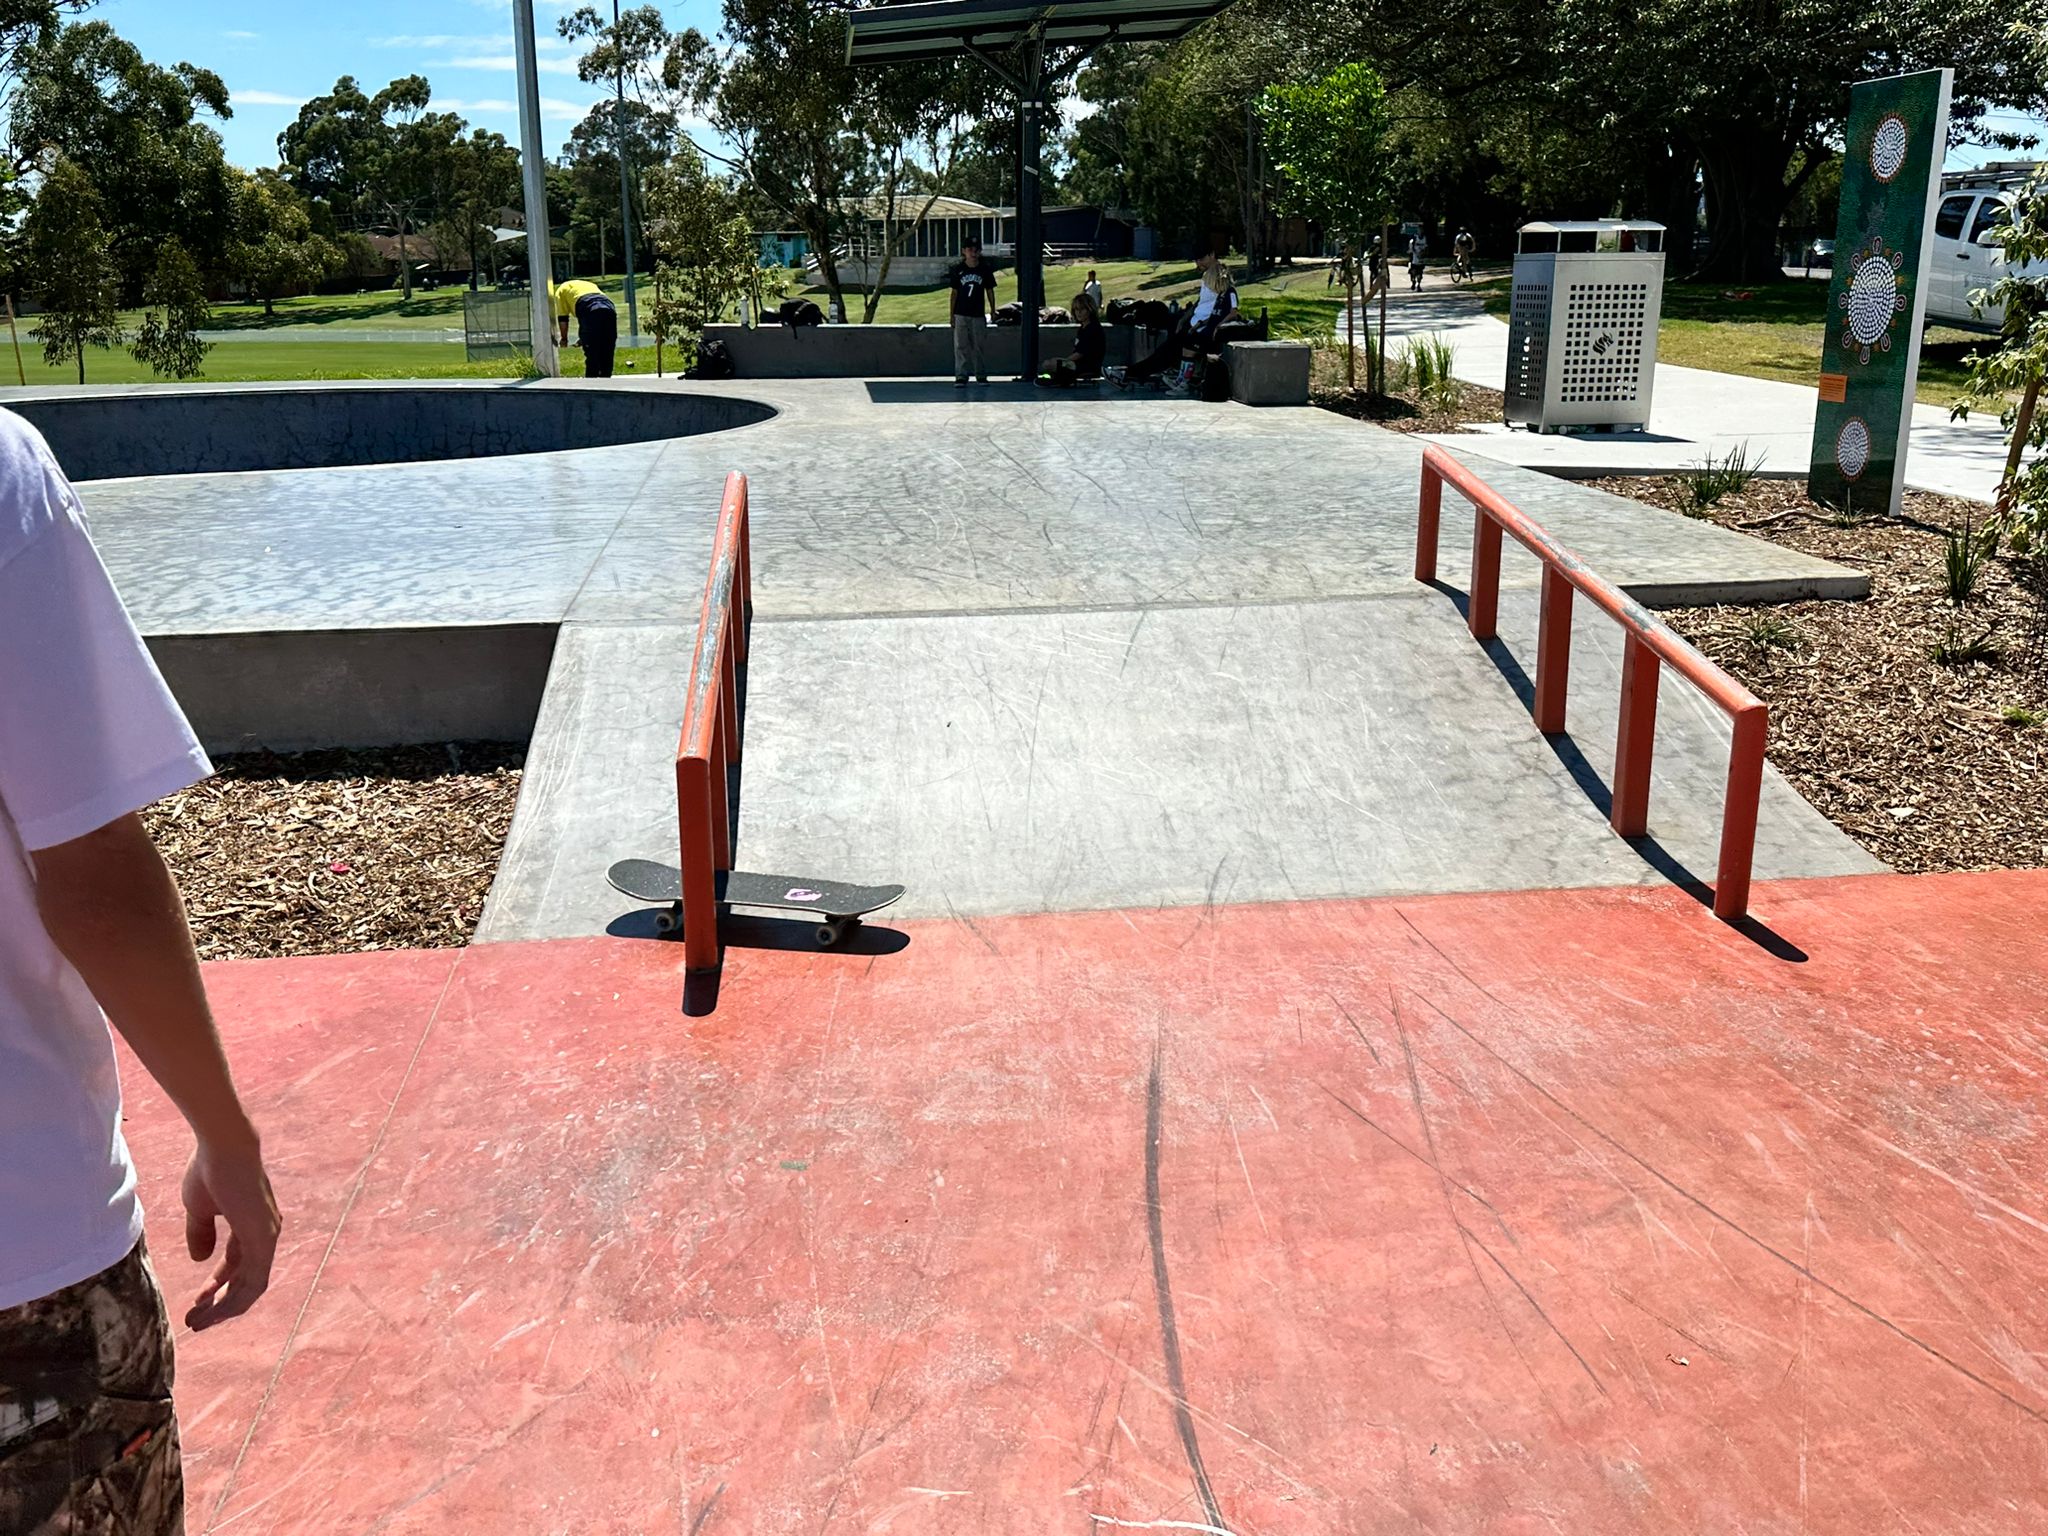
x=1402, y=410
x=1930, y=766
x=327, y=852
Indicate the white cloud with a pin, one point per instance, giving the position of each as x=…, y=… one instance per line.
x=550, y=107
x=265, y=99
x=242, y=37
x=503, y=63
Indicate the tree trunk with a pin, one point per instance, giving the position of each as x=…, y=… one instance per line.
x=1746, y=197
x=404, y=265
x=81, y=362
x=269, y=306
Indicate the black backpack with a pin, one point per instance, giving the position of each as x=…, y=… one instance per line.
x=1054, y=315
x=1011, y=313
x=1121, y=312
x=800, y=312
x=714, y=361
x=1153, y=315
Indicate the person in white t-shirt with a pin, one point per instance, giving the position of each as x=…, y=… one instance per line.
x=1215, y=303
x=92, y=932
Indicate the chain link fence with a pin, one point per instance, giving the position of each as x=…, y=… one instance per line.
x=497, y=323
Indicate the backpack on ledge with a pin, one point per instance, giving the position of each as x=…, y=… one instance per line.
x=800, y=312
x=714, y=361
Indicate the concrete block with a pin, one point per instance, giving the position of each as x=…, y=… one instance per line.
x=299, y=690
x=1268, y=372
x=893, y=351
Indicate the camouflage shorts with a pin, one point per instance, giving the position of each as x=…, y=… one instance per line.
x=88, y=1441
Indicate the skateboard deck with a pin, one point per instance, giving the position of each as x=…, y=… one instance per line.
x=838, y=905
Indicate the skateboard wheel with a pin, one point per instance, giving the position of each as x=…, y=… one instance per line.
x=830, y=934
x=667, y=922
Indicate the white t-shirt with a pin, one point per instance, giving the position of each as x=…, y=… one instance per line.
x=88, y=733
x=1205, y=306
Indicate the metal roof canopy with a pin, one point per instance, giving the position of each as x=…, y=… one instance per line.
x=1012, y=40
x=937, y=29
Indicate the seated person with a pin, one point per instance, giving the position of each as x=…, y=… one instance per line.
x=1084, y=364
x=1192, y=335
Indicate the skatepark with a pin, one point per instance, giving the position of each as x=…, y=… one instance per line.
x=1280, y=1101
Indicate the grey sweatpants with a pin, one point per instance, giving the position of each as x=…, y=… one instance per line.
x=967, y=358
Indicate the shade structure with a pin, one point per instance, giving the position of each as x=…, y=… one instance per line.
x=934, y=29
x=1029, y=47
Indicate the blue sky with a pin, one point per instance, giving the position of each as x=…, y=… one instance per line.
x=275, y=57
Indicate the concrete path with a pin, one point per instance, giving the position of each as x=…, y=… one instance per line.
x=1693, y=413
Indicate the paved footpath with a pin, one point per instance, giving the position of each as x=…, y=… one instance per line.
x=1694, y=412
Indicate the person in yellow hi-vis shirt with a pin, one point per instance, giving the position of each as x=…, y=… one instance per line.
x=597, y=324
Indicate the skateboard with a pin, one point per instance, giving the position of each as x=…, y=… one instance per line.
x=839, y=905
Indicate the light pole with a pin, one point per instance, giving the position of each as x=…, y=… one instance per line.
x=540, y=264
x=625, y=186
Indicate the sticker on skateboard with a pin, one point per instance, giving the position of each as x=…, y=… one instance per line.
x=840, y=906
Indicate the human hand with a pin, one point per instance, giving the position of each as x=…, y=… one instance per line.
x=229, y=1184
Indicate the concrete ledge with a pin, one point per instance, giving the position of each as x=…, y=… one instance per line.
x=895, y=351
x=295, y=691
x=1268, y=372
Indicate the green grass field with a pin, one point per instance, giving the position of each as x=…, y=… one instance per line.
x=1770, y=332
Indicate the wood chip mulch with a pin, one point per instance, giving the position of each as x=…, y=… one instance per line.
x=1401, y=412
x=327, y=852
x=1930, y=766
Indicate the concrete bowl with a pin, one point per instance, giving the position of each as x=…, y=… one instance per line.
x=142, y=432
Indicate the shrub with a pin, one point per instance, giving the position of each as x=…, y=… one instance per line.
x=1711, y=478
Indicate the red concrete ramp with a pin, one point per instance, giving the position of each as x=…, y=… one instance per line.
x=1562, y=1211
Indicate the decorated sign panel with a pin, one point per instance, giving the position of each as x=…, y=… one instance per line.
x=1891, y=172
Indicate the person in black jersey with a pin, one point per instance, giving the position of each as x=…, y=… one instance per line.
x=974, y=305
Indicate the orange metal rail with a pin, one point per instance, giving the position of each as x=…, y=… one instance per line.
x=1648, y=643
x=711, y=728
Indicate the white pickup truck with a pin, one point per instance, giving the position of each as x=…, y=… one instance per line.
x=1966, y=259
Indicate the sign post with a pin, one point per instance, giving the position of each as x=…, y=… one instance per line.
x=540, y=251
x=1892, y=150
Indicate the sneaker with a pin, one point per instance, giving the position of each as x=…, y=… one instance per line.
x=982, y=380
x=959, y=383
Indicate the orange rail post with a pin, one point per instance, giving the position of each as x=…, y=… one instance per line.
x=1482, y=601
x=1635, y=738
x=1738, y=821
x=711, y=731
x=1426, y=524
x=1649, y=645
x=1553, y=651
x=700, y=879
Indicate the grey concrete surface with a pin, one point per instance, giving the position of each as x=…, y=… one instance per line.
x=1161, y=757
x=1014, y=648
x=891, y=351
x=160, y=432
x=1697, y=412
x=292, y=690
x=874, y=498
x=1268, y=372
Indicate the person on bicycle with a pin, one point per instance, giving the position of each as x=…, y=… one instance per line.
x=1463, y=246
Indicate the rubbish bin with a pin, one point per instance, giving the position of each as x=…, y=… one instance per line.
x=1582, y=325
